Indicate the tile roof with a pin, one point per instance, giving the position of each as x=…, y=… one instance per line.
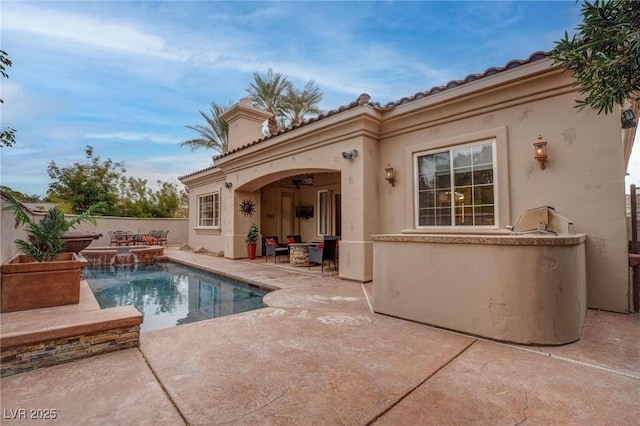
x=364, y=99
x=197, y=172
x=468, y=79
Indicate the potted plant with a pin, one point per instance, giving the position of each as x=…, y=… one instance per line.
x=42, y=274
x=252, y=241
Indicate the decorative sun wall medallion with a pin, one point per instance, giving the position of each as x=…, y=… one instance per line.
x=247, y=207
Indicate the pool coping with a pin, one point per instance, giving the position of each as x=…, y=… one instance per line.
x=228, y=276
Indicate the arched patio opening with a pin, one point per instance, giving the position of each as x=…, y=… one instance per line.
x=305, y=202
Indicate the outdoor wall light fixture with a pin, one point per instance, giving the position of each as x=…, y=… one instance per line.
x=228, y=185
x=628, y=119
x=390, y=175
x=348, y=155
x=541, y=151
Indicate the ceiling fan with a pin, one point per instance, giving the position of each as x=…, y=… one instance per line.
x=299, y=181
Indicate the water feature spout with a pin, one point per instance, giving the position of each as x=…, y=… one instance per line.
x=122, y=255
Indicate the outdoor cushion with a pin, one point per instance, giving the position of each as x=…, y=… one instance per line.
x=320, y=245
x=150, y=240
x=291, y=240
x=272, y=241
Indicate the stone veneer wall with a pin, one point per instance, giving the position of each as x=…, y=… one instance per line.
x=22, y=358
x=299, y=256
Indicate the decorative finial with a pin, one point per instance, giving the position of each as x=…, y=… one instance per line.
x=364, y=99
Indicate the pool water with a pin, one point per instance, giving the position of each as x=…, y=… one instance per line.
x=169, y=294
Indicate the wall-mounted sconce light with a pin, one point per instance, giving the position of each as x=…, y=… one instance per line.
x=628, y=119
x=348, y=155
x=541, y=151
x=389, y=175
x=228, y=185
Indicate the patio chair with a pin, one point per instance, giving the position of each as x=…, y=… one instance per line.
x=120, y=238
x=162, y=238
x=152, y=238
x=326, y=250
x=264, y=240
x=272, y=249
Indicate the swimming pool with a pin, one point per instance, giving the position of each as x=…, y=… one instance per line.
x=169, y=294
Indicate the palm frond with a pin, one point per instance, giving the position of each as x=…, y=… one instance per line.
x=267, y=93
x=45, y=237
x=16, y=207
x=301, y=103
x=214, y=134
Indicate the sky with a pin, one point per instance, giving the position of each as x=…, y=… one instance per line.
x=127, y=77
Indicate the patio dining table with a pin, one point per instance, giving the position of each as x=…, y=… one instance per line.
x=135, y=239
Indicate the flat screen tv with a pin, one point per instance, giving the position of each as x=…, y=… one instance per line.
x=304, y=211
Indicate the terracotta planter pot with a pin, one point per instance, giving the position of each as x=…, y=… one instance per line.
x=252, y=250
x=27, y=284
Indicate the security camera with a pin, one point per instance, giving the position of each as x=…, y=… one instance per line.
x=348, y=155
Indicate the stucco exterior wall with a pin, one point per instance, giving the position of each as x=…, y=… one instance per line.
x=583, y=180
x=317, y=149
x=178, y=230
x=211, y=239
x=523, y=289
x=9, y=234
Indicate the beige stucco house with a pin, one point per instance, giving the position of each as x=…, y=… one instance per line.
x=435, y=241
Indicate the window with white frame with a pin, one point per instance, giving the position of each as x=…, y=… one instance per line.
x=324, y=212
x=456, y=186
x=209, y=210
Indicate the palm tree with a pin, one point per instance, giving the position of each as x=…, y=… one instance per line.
x=7, y=135
x=268, y=93
x=300, y=103
x=214, y=134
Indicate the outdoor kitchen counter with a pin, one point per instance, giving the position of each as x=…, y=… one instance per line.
x=528, y=288
x=498, y=239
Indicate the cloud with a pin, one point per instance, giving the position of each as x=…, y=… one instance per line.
x=336, y=64
x=22, y=107
x=205, y=159
x=168, y=168
x=488, y=17
x=132, y=136
x=82, y=30
x=126, y=77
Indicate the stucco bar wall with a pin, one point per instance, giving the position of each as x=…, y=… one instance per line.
x=523, y=289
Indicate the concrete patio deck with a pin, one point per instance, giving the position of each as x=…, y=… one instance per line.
x=317, y=355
